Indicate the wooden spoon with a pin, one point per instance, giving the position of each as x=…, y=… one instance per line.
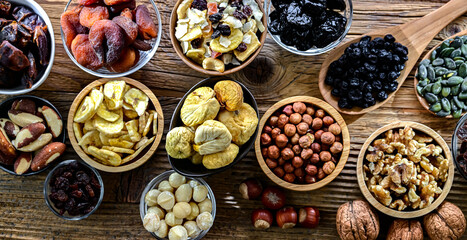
x=421, y=99
x=415, y=35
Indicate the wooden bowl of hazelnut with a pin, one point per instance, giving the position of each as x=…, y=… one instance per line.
x=304, y=143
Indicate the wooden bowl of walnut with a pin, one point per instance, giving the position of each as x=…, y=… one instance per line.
x=343, y=155
x=405, y=169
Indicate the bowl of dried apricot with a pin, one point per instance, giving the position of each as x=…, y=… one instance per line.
x=111, y=38
x=405, y=169
x=115, y=125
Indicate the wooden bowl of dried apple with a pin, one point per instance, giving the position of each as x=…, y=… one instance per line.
x=122, y=131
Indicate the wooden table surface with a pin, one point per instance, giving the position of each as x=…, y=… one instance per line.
x=275, y=74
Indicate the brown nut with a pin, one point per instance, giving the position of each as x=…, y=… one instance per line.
x=338, y=138
x=54, y=122
x=335, y=129
x=22, y=163
x=289, y=177
x=328, y=138
x=305, y=141
x=311, y=169
x=321, y=174
x=328, y=120
x=314, y=158
x=283, y=119
x=279, y=171
x=297, y=162
x=267, y=129
x=317, y=123
x=275, y=132
x=318, y=135
x=29, y=134
x=287, y=154
x=290, y=129
x=288, y=168
x=296, y=149
x=288, y=110
x=37, y=144
x=310, y=179
x=10, y=128
x=280, y=161
x=357, y=218
x=306, y=153
x=24, y=105
x=405, y=229
x=310, y=111
x=264, y=152
x=295, y=138
x=7, y=150
x=329, y=167
x=273, y=121
x=282, y=140
x=302, y=128
x=271, y=163
x=23, y=119
x=299, y=172
x=47, y=155
x=336, y=148
x=316, y=147
x=265, y=139
x=320, y=113
x=295, y=118
x=325, y=156
x=299, y=107
x=307, y=118
x=273, y=152
x=289, y=145
x=446, y=222
x=325, y=147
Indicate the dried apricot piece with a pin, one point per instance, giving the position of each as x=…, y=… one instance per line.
x=146, y=27
x=90, y=15
x=127, y=13
x=128, y=59
x=142, y=45
x=89, y=2
x=130, y=29
x=107, y=39
x=116, y=9
x=70, y=25
x=115, y=2
x=84, y=53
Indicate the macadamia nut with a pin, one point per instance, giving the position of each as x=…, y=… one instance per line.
x=166, y=200
x=171, y=220
x=176, y=180
x=151, y=222
x=165, y=186
x=178, y=233
x=182, y=210
x=184, y=193
x=151, y=197
x=163, y=230
x=204, y=220
x=205, y=206
x=200, y=193
x=194, y=211
x=192, y=229
x=193, y=183
x=157, y=210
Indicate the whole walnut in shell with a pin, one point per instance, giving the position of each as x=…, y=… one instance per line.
x=178, y=142
x=357, y=220
x=211, y=137
x=446, y=222
x=221, y=159
x=405, y=229
x=241, y=123
x=229, y=94
x=199, y=106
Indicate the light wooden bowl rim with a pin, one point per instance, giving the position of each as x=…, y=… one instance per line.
x=422, y=100
x=178, y=49
x=404, y=214
x=345, y=139
x=135, y=163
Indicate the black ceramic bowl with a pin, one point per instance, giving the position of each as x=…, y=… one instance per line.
x=184, y=166
x=6, y=105
x=455, y=146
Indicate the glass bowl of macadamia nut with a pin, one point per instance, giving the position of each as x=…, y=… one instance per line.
x=176, y=207
x=304, y=143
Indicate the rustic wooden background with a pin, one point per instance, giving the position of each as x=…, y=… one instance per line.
x=274, y=75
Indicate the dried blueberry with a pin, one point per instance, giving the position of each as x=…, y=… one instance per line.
x=200, y=5
x=344, y=103
x=382, y=95
x=336, y=4
x=393, y=75
x=197, y=43
x=335, y=92
x=377, y=85
x=224, y=29
x=355, y=95
x=215, y=34
x=216, y=17
x=389, y=38
x=354, y=82
x=392, y=86
x=242, y=47
x=329, y=80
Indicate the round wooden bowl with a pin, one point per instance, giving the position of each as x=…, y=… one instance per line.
x=345, y=142
x=392, y=212
x=198, y=67
x=421, y=99
x=145, y=154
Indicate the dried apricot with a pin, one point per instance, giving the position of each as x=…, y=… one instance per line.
x=127, y=13
x=107, y=39
x=84, y=53
x=128, y=59
x=115, y=2
x=90, y=15
x=116, y=9
x=142, y=45
x=130, y=29
x=146, y=27
x=70, y=25
x=89, y=2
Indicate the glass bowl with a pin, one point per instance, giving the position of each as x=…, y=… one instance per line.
x=143, y=207
x=47, y=190
x=144, y=56
x=456, y=144
x=348, y=13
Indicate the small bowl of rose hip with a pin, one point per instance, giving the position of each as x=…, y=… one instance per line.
x=304, y=143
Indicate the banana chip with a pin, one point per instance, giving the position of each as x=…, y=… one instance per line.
x=113, y=93
x=107, y=115
x=107, y=157
x=143, y=141
x=148, y=124
x=235, y=38
x=119, y=150
x=137, y=99
x=154, y=124
x=109, y=128
x=88, y=125
x=97, y=97
x=132, y=127
x=104, y=139
x=85, y=111
x=119, y=142
x=90, y=138
x=77, y=130
x=142, y=122
x=140, y=149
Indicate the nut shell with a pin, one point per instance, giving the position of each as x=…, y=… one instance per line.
x=446, y=222
x=357, y=220
x=405, y=229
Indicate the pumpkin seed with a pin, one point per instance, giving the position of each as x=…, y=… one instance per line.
x=427, y=88
x=456, y=43
x=459, y=58
x=453, y=106
x=455, y=80
x=464, y=50
x=430, y=97
x=435, y=107
x=437, y=62
x=423, y=83
x=450, y=73
x=458, y=103
x=425, y=62
x=445, y=91
x=458, y=63
x=457, y=114
x=440, y=71
x=462, y=70
x=433, y=55
x=436, y=88
x=464, y=38
x=456, y=90
x=446, y=105
x=443, y=113
x=464, y=85
x=422, y=71
x=419, y=90
x=449, y=63
x=455, y=53
x=444, y=45
x=446, y=52
x=463, y=95
x=430, y=73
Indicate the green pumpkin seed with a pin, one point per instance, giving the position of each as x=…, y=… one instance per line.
x=457, y=114
x=464, y=38
x=443, y=113
x=459, y=58
x=437, y=62
x=458, y=63
x=419, y=90
x=445, y=91
x=446, y=52
x=425, y=62
x=463, y=95
x=446, y=105
x=423, y=83
x=456, y=43
x=435, y=107
x=422, y=72
x=458, y=103
x=464, y=50
x=455, y=53
x=427, y=88
x=444, y=45
x=450, y=73
x=449, y=63
x=456, y=90
x=440, y=71
x=433, y=55
x=444, y=82
x=436, y=88
x=455, y=80
x=430, y=73
x=462, y=71
x=430, y=97
x=453, y=106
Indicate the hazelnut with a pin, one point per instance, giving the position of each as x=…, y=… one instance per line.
x=306, y=153
x=267, y=129
x=289, y=177
x=283, y=119
x=297, y=162
x=317, y=135
x=320, y=113
x=278, y=171
x=287, y=154
x=314, y=158
x=275, y=132
x=271, y=163
x=299, y=107
x=294, y=139
x=335, y=129
x=299, y=172
x=311, y=169
x=305, y=141
x=336, y=148
x=310, y=111
x=325, y=156
x=338, y=138
x=301, y=179
x=328, y=120
x=288, y=168
x=310, y=179
x=288, y=110
x=307, y=118
x=316, y=147
x=317, y=123
x=273, y=121
x=321, y=174
x=328, y=138
x=328, y=167
x=325, y=147
x=289, y=145
x=297, y=149
x=281, y=140
x=290, y=129
x=264, y=152
x=302, y=128
x=265, y=139
x=333, y=160
x=273, y=152
x=280, y=161
x=295, y=118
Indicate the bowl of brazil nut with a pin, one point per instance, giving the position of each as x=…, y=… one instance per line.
x=304, y=143
x=31, y=135
x=405, y=169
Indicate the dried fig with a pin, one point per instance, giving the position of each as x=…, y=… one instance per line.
x=229, y=94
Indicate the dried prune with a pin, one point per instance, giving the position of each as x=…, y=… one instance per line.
x=107, y=40
x=71, y=26
x=89, y=15
x=20, y=12
x=115, y=2
x=115, y=9
x=314, y=7
x=5, y=8
x=130, y=28
x=128, y=59
x=84, y=52
x=330, y=30
x=42, y=43
x=200, y=4
x=146, y=27
x=89, y=2
x=127, y=13
x=12, y=58
x=336, y=4
x=141, y=45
